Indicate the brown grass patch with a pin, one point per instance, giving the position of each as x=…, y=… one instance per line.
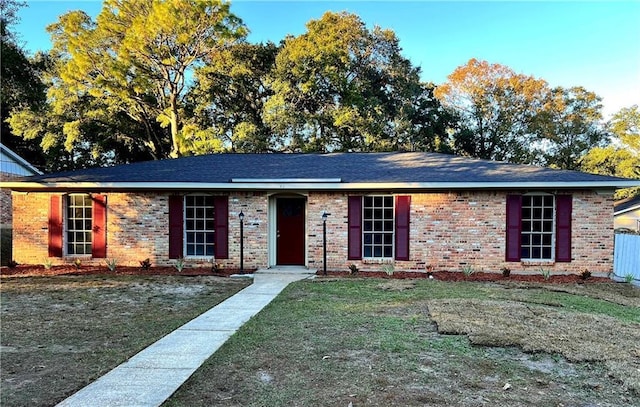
x=579, y=337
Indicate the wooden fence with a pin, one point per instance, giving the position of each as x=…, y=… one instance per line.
x=626, y=257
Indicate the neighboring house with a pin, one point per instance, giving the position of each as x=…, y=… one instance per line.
x=12, y=166
x=411, y=209
x=626, y=214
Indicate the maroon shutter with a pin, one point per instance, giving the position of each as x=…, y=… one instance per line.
x=221, y=219
x=514, y=227
x=55, y=226
x=176, y=222
x=403, y=209
x=355, y=227
x=563, y=228
x=99, y=238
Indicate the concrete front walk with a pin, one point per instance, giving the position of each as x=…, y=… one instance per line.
x=150, y=377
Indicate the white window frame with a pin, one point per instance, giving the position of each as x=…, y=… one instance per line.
x=205, y=231
x=67, y=219
x=542, y=232
x=373, y=232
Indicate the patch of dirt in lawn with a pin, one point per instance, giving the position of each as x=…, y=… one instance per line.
x=579, y=337
x=60, y=333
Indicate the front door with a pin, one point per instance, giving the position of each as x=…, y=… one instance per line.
x=290, y=241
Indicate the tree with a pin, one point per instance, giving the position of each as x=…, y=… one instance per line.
x=497, y=108
x=622, y=156
x=130, y=69
x=341, y=87
x=230, y=95
x=21, y=86
x=569, y=125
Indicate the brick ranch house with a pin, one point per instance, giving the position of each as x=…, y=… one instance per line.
x=409, y=209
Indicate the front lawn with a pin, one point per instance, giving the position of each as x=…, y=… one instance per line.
x=61, y=333
x=340, y=342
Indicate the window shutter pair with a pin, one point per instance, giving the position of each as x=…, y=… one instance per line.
x=99, y=232
x=564, y=205
x=176, y=227
x=402, y=210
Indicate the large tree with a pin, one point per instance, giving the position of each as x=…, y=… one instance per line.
x=21, y=86
x=131, y=68
x=341, y=87
x=621, y=157
x=497, y=107
x=568, y=126
x=230, y=95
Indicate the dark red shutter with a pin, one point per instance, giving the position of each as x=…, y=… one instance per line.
x=514, y=227
x=176, y=222
x=403, y=209
x=563, y=228
x=99, y=242
x=355, y=227
x=221, y=219
x=55, y=226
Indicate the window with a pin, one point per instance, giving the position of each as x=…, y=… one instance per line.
x=199, y=226
x=378, y=227
x=538, y=227
x=79, y=224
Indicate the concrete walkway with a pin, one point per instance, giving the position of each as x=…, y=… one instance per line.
x=153, y=375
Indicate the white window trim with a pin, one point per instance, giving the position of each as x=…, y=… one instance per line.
x=553, y=231
x=382, y=259
x=184, y=230
x=66, y=231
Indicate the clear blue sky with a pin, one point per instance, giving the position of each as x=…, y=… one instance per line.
x=586, y=43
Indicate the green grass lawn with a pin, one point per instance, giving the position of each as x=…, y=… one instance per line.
x=402, y=342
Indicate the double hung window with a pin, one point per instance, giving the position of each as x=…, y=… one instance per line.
x=79, y=224
x=199, y=226
x=378, y=227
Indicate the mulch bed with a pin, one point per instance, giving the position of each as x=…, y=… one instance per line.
x=477, y=276
x=40, y=270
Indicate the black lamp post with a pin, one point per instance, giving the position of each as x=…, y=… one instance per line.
x=324, y=240
x=241, y=216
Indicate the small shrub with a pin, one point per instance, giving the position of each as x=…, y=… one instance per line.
x=585, y=274
x=12, y=264
x=179, y=264
x=145, y=264
x=467, y=270
x=47, y=263
x=389, y=269
x=216, y=267
x=506, y=272
x=111, y=264
x=628, y=278
x=77, y=263
x=353, y=269
x=546, y=274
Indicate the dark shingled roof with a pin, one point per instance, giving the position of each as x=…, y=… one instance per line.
x=417, y=168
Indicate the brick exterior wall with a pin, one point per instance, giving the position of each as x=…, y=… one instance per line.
x=448, y=231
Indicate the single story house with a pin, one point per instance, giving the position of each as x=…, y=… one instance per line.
x=626, y=214
x=413, y=210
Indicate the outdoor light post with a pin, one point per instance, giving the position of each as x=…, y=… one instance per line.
x=324, y=240
x=241, y=216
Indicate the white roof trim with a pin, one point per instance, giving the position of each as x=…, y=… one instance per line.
x=183, y=186
x=629, y=209
x=24, y=163
x=285, y=180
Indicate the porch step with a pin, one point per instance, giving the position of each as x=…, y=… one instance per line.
x=286, y=270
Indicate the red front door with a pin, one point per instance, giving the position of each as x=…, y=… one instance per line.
x=290, y=240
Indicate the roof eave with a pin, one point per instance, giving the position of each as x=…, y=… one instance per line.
x=27, y=186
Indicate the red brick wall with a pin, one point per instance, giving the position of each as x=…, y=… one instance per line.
x=448, y=231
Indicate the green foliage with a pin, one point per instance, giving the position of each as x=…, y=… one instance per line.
x=467, y=270
x=546, y=273
x=389, y=269
x=628, y=278
x=586, y=274
x=353, y=269
x=506, y=272
x=180, y=264
x=47, y=263
x=111, y=264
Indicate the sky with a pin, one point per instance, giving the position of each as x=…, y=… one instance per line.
x=591, y=44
